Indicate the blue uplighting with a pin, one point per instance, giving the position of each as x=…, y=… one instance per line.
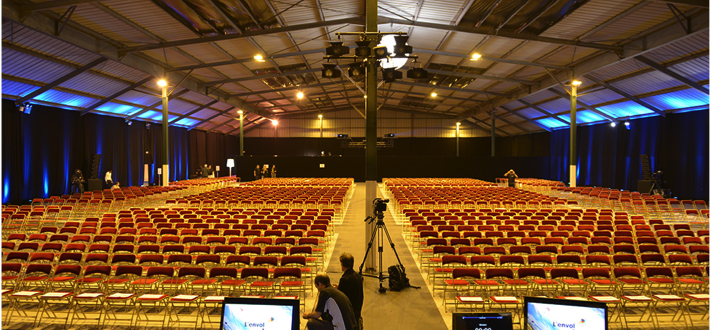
x=186, y=122
x=679, y=100
x=552, y=123
x=121, y=109
x=625, y=109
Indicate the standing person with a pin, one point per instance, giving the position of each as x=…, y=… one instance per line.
x=107, y=180
x=265, y=171
x=511, y=175
x=351, y=284
x=116, y=186
x=205, y=171
x=77, y=182
x=333, y=309
x=273, y=171
x=210, y=172
x=257, y=173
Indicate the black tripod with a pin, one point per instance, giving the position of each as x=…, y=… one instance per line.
x=378, y=231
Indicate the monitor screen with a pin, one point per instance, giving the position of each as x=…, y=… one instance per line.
x=260, y=314
x=564, y=314
x=482, y=321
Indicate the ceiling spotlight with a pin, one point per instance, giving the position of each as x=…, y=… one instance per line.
x=330, y=71
x=458, y=124
x=433, y=94
x=613, y=124
x=390, y=75
x=576, y=82
x=240, y=112
x=300, y=95
x=129, y=123
x=401, y=49
x=275, y=122
x=476, y=56
x=320, y=116
x=627, y=124
x=148, y=125
x=363, y=49
x=380, y=52
x=337, y=49
x=25, y=107
x=259, y=58
x=417, y=73
x=356, y=71
x=162, y=83
x=365, y=96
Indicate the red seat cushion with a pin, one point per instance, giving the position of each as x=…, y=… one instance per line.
x=200, y=282
x=573, y=281
x=632, y=281
x=690, y=281
x=145, y=281
x=292, y=283
x=456, y=282
x=516, y=282
x=232, y=282
x=487, y=282
x=539, y=281
x=661, y=280
x=35, y=278
x=262, y=283
x=605, y=282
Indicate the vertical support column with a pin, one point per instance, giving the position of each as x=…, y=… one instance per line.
x=166, y=151
x=493, y=133
x=241, y=132
x=371, y=126
x=458, y=124
x=573, y=133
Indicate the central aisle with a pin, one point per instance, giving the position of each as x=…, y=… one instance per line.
x=407, y=309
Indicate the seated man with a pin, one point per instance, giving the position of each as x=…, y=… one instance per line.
x=333, y=308
x=351, y=284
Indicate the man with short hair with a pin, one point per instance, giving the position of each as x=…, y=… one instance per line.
x=333, y=310
x=351, y=284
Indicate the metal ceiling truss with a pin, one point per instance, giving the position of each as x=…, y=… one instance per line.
x=210, y=118
x=525, y=118
x=155, y=105
x=194, y=111
x=672, y=74
x=60, y=80
x=660, y=37
x=580, y=103
x=543, y=111
x=624, y=94
x=115, y=95
x=512, y=14
x=82, y=37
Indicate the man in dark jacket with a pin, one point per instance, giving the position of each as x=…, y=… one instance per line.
x=205, y=171
x=351, y=284
x=333, y=309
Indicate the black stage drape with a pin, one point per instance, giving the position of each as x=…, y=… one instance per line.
x=609, y=156
x=212, y=149
x=40, y=150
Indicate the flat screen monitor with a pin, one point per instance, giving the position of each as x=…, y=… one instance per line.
x=260, y=314
x=482, y=321
x=564, y=314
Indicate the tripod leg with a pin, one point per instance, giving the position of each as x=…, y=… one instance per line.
x=370, y=245
x=392, y=245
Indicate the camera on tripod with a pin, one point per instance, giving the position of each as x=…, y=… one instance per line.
x=380, y=205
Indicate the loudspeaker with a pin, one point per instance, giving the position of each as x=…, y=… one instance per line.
x=644, y=186
x=148, y=157
x=95, y=184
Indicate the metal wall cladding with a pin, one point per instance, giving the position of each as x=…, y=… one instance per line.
x=206, y=53
x=29, y=67
x=97, y=20
x=696, y=69
x=439, y=11
x=152, y=18
x=88, y=82
x=137, y=97
x=397, y=8
x=13, y=88
x=588, y=16
x=679, y=99
x=647, y=82
x=640, y=21
x=337, y=9
x=304, y=12
x=45, y=44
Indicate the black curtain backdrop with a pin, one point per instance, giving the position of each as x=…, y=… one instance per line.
x=609, y=156
x=42, y=149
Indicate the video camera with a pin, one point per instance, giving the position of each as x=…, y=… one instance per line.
x=381, y=205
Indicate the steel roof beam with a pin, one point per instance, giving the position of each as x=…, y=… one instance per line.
x=246, y=34
x=194, y=111
x=535, y=107
x=211, y=117
x=660, y=37
x=693, y=3
x=623, y=93
x=61, y=80
x=525, y=118
x=566, y=96
x=154, y=105
x=277, y=90
x=115, y=95
x=500, y=117
x=616, y=19
x=486, y=14
x=54, y=4
x=493, y=59
x=672, y=74
x=540, y=13
x=88, y=40
x=515, y=11
x=448, y=88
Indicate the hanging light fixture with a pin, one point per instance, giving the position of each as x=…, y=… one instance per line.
x=330, y=71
